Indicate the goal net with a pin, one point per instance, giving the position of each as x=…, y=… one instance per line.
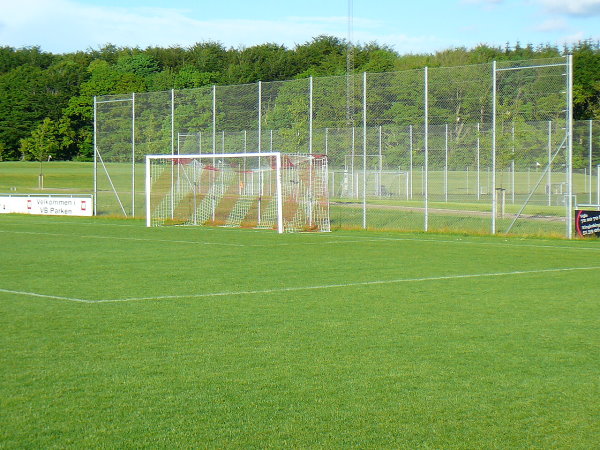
x=285, y=192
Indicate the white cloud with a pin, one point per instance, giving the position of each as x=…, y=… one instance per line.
x=551, y=25
x=582, y=8
x=573, y=38
x=68, y=25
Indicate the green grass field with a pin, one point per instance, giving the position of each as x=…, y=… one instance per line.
x=118, y=336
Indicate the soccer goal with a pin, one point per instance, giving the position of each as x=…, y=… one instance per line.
x=285, y=192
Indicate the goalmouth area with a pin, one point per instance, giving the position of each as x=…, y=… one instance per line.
x=118, y=335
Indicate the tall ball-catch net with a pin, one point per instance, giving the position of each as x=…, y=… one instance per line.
x=285, y=192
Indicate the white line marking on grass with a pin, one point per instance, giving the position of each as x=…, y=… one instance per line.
x=355, y=240
x=55, y=297
x=94, y=236
x=64, y=222
x=467, y=242
x=345, y=285
x=302, y=288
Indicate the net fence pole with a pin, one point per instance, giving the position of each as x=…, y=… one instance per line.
x=364, y=150
x=478, y=149
x=380, y=164
x=410, y=159
x=569, y=146
x=148, y=193
x=310, y=115
x=549, y=186
x=279, y=193
x=512, y=166
x=172, y=121
x=95, y=156
x=214, y=119
x=133, y=155
x=426, y=149
x=446, y=163
x=467, y=181
x=259, y=87
x=352, y=167
x=172, y=153
x=493, y=187
x=590, y=156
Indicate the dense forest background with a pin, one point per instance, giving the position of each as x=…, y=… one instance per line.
x=46, y=100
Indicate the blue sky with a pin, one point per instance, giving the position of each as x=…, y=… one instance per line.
x=406, y=26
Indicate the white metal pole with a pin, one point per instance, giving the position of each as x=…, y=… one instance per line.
x=172, y=121
x=446, y=164
x=326, y=141
x=214, y=119
x=364, y=150
x=279, y=196
x=332, y=183
x=467, y=180
x=590, y=157
x=410, y=160
x=95, y=156
x=310, y=115
x=310, y=190
x=426, y=144
x=148, y=193
x=259, y=116
x=172, y=153
x=478, y=164
x=549, y=188
x=493, y=190
x=512, y=166
x=352, y=165
x=133, y=155
x=380, y=164
x=570, y=146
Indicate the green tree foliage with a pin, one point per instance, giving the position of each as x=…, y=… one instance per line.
x=265, y=62
x=586, y=83
x=43, y=144
x=36, y=85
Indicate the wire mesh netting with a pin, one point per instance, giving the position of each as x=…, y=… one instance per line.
x=283, y=192
x=481, y=148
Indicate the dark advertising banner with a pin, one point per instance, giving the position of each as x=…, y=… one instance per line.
x=587, y=223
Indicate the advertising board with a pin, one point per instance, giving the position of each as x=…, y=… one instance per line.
x=51, y=204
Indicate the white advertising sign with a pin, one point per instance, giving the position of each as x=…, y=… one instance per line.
x=46, y=205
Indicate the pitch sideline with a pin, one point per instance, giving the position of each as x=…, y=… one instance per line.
x=304, y=288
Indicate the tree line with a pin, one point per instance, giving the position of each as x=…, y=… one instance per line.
x=46, y=99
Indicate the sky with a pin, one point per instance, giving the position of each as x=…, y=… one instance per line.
x=406, y=26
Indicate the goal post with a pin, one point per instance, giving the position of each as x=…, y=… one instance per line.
x=271, y=190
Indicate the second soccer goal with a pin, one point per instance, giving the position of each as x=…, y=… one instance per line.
x=285, y=192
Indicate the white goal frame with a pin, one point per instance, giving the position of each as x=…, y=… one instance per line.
x=300, y=185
